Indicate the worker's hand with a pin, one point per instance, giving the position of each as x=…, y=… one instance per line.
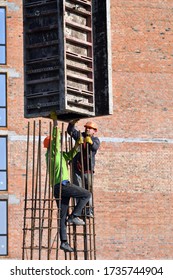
x=74, y=121
x=53, y=116
x=88, y=140
x=80, y=140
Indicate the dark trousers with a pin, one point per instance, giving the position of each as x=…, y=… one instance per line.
x=70, y=190
x=88, y=181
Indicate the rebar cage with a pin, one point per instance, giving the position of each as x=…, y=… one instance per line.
x=41, y=221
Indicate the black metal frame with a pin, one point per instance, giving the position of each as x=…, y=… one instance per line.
x=58, y=77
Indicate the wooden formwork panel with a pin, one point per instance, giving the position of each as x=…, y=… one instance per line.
x=79, y=67
x=59, y=59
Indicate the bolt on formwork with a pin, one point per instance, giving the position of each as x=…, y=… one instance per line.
x=41, y=220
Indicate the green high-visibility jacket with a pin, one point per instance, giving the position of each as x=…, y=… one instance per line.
x=58, y=172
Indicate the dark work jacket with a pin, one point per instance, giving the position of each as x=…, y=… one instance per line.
x=92, y=150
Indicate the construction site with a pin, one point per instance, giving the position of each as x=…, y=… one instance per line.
x=72, y=66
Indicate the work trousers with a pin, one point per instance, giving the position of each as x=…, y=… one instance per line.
x=70, y=190
x=88, y=182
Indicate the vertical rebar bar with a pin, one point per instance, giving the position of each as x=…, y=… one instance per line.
x=89, y=189
x=73, y=201
x=39, y=189
x=83, y=185
x=93, y=222
x=50, y=196
x=32, y=194
x=60, y=191
x=26, y=193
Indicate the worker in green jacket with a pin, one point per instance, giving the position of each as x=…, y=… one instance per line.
x=60, y=178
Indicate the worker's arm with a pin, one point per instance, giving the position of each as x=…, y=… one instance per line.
x=94, y=142
x=71, y=154
x=72, y=131
x=55, y=143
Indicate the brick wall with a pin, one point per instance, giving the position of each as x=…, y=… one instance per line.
x=133, y=189
x=133, y=181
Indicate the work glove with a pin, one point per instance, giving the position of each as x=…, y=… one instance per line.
x=88, y=140
x=80, y=140
x=53, y=116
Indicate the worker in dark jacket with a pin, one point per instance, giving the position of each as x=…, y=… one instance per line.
x=90, y=146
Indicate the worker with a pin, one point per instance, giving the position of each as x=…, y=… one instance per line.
x=59, y=174
x=93, y=143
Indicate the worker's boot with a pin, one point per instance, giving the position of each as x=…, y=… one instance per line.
x=66, y=247
x=75, y=220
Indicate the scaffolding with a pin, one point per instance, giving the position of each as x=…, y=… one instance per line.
x=41, y=220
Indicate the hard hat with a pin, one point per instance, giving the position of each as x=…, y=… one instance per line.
x=91, y=125
x=46, y=142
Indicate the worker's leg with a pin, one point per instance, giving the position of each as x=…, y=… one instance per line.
x=77, y=180
x=89, y=186
x=63, y=215
x=82, y=195
x=63, y=212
